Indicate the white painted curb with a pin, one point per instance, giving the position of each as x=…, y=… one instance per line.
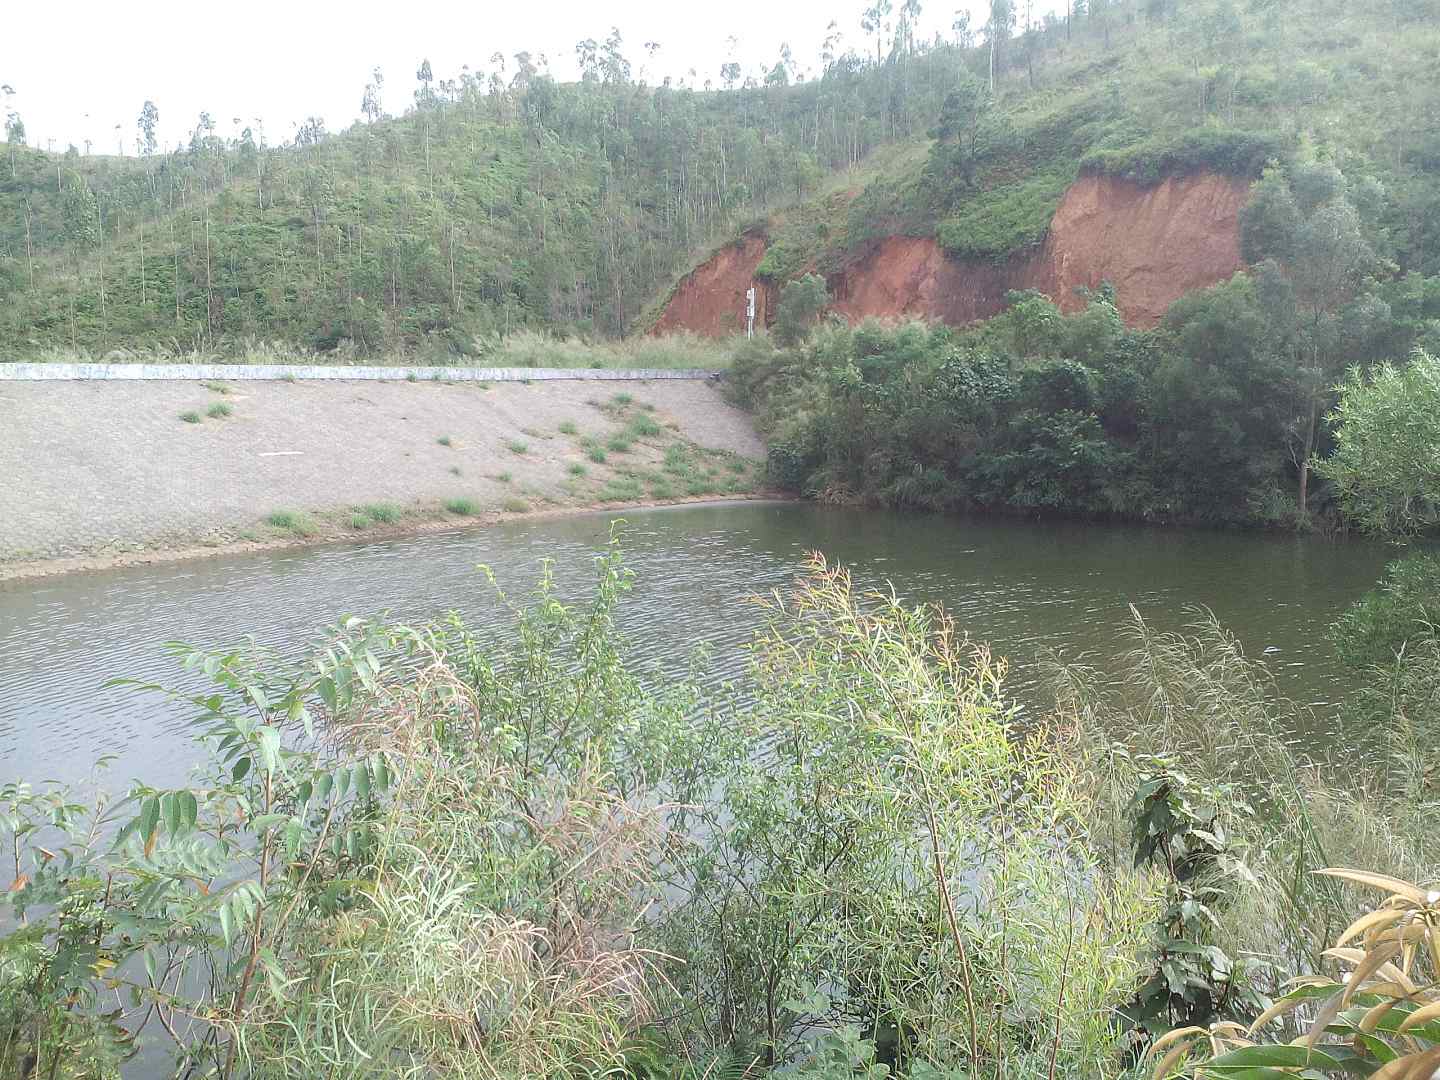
x=71, y=372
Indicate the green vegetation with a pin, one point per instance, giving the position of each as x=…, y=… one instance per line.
x=190, y=416
x=576, y=469
x=444, y=440
x=384, y=513
x=622, y=489
x=294, y=522
x=1385, y=468
x=219, y=411
x=516, y=505
x=1209, y=418
x=383, y=831
x=217, y=387
x=596, y=454
x=620, y=443
x=801, y=302
x=503, y=478
x=463, y=507
x=517, y=446
x=568, y=427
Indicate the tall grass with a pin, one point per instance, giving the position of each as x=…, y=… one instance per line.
x=521, y=349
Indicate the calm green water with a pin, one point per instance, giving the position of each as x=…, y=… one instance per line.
x=1021, y=586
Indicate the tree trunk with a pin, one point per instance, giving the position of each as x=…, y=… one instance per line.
x=1308, y=449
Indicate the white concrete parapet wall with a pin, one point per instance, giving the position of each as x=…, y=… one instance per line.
x=30, y=372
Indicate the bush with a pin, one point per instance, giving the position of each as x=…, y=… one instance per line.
x=1383, y=623
x=462, y=507
x=1386, y=465
x=801, y=303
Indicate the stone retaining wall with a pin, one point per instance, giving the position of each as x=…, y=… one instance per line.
x=71, y=372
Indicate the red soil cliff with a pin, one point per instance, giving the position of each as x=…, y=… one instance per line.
x=1154, y=244
x=710, y=300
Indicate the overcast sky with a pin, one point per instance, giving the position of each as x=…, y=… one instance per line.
x=81, y=68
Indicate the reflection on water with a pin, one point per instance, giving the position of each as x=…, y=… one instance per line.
x=1020, y=585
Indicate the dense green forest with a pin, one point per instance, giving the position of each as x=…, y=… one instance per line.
x=502, y=200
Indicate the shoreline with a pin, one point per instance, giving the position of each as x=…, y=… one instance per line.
x=36, y=569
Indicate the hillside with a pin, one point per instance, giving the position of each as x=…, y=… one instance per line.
x=1125, y=159
x=514, y=201
x=486, y=206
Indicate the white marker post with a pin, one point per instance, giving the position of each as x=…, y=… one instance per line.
x=750, y=312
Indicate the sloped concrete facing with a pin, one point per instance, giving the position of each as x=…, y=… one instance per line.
x=23, y=372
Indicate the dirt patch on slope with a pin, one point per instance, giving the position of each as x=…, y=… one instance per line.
x=710, y=300
x=1154, y=244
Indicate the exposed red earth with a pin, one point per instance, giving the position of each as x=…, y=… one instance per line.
x=1153, y=243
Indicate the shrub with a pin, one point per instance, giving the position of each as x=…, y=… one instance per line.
x=1386, y=465
x=464, y=507
x=383, y=512
x=516, y=446
x=645, y=427
x=218, y=411
x=1400, y=609
x=516, y=505
x=567, y=427
x=576, y=469
x=801, y=303
x=190, y=416
x=619, y=443
x=596, y=454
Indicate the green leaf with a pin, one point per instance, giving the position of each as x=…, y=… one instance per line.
x=269, y=739
x=237, y=773
x=189, y=810
x=227, y=924
x=149, y=818
x=170, y=810
x=1285, y=1057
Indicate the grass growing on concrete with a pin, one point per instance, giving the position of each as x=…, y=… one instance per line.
x=462, y=507
x=294, y=522
x=383, y=512
x=622, y=489
x=219, y=411
x=645, y=427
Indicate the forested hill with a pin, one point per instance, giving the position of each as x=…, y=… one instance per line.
x=506, y=199
x=491, y=203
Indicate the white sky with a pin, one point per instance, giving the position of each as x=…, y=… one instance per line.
x=80, y=68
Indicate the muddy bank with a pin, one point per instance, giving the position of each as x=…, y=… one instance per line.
x=124, y=470
x=1153, y=243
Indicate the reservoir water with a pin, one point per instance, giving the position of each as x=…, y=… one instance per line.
x=1022, y=586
